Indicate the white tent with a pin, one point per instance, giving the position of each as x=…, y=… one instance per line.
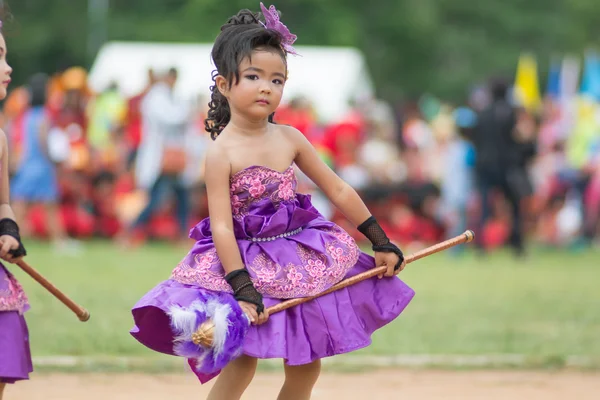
x=330, y=77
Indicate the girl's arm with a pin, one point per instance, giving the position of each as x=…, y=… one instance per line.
x=10, y=239
x=341, y=194
x=218, y=171
x=5, y=209
x=347, y=200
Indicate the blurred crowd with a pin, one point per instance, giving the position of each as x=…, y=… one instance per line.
x=86, y=164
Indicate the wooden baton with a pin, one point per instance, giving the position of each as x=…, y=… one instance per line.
x=81, y=312
x=204, y=335
x=465, y=237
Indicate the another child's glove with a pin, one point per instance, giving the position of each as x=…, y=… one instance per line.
x=243, y=288
x=381, y=243
x=10, y=228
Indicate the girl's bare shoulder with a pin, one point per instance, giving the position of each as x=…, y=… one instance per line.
x=217, y=156
x=3, y=141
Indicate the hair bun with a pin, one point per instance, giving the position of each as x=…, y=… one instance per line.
x=244, y=17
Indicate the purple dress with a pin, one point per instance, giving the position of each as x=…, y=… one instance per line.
x=290, y=251
x=15, y=356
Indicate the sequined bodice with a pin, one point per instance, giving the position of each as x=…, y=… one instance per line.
x=255, y=185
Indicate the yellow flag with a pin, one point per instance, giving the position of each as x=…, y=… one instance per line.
x=527, y=89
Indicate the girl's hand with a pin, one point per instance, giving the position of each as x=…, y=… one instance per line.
x=390, y=260
x=8, y=243
x=250, y=310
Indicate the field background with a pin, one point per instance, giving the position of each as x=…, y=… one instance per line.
x=544, y=308
x=470, y=315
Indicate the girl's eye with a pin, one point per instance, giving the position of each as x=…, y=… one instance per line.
x=278, y=81
x=252, y=77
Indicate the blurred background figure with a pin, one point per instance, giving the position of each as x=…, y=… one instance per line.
x=503, y=143
x=35, y=182
x=162, y=153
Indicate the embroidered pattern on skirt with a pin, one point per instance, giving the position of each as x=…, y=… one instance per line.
x=315, y=272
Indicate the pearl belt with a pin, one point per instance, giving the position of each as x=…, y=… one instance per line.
x=271, y=238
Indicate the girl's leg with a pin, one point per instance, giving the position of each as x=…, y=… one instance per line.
x=234, y=379
x=2, y=386
x=299, y=381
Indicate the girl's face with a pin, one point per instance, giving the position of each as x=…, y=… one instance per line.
x=5, y=69
x=260, y=88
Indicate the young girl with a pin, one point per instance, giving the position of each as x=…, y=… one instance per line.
x=15, y=359
x=263, y=241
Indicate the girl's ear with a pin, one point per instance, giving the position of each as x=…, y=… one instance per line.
x=222, y=85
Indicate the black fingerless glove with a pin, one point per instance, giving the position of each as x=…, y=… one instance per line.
x=381, y=243
x=10, y=228
x=243, y=288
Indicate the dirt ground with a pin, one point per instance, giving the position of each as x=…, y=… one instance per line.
x=383, y=384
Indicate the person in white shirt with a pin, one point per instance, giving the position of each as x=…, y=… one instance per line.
x=162, y=156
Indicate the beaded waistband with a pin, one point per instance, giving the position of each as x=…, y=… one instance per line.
x=271, y=238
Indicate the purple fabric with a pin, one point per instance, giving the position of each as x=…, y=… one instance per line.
x=337, y=323
x=15, y=355
x=235, y=324
x=152, y=311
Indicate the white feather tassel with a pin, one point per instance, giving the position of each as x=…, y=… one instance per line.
x=220, y=314
x=184, y=319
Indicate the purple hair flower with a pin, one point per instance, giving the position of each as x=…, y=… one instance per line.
x=272, y=22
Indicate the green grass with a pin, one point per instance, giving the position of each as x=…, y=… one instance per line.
x=547, y=307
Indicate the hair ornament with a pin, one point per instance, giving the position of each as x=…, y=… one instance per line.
x=272, y=22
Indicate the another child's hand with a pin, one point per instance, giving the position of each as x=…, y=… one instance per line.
x=8, y=243
x=390, y=260
x=250, y=310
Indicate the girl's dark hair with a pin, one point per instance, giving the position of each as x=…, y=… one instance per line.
x=240, y=35
x=5, y=16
